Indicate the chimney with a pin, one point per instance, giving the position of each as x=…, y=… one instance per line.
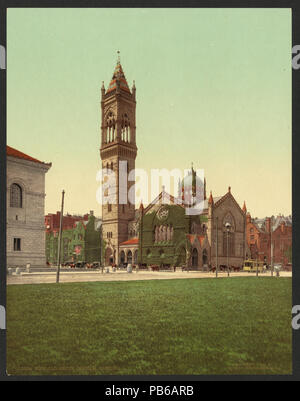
x=248, y=218
x=268, y=224
x=282, y=226
x=91, y=212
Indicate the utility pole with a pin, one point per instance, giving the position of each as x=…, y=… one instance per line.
x=217, y=246
x=101, y=244
x=187, y=256
x=141, y=232
x=227, y=254
x=272, y=248
x=228, y=226
x=60, y=236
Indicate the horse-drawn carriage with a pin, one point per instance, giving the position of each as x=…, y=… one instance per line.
x=162, y=267
x=223, y=268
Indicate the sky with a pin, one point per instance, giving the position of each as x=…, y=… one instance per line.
x=213, y=88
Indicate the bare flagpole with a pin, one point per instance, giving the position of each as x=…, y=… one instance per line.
x=217, y=246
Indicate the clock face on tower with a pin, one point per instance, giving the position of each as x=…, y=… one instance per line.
x=162, y=213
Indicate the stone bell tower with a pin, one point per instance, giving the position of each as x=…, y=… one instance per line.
x=118, y=144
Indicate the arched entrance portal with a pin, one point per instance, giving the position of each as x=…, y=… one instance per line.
x=195, y=258
x=109, y=259
x=129, y=257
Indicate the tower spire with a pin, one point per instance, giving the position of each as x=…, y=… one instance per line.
x=118, y=127
x=118, y=81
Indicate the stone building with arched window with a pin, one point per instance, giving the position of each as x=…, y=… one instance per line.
x=25, y=209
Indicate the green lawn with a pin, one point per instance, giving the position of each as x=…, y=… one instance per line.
x=194, y=326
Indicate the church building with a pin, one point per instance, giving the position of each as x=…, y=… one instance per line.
x=163, y=233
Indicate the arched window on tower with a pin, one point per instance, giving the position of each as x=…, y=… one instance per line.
x=110, y=127
x=125, y=128
x=16, y=196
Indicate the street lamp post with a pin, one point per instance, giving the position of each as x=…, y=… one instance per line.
x=272, y=248
x=228, y=226
x=101, y=245
x=60, y=237
x=141, y=235
x=187, y=257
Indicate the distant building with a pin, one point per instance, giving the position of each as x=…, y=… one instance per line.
x=81, y=238
x=25, y=209
x=52, y=221
x=260, y=232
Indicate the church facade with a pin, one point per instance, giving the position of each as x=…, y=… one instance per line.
x=163, y=233
x=170, y=237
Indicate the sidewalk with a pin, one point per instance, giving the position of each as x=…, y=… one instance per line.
x=87, y=276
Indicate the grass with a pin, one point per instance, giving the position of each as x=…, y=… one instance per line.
x=195, y=326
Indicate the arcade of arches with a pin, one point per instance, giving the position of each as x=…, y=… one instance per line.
x=128, y=256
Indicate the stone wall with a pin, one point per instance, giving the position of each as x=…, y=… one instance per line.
x=26, y=223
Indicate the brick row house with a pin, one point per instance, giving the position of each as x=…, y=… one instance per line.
x=81, y=238
x=262, y=232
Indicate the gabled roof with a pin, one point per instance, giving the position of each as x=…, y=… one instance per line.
x=170, y=199
x=226, y=196
x=132, y=241
x=118, y=76
x=193, y=237
x=260, y=229
x=80, y=222
x=215, y=200
x=164, y=197
x=20, y=155
x=282, y=219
